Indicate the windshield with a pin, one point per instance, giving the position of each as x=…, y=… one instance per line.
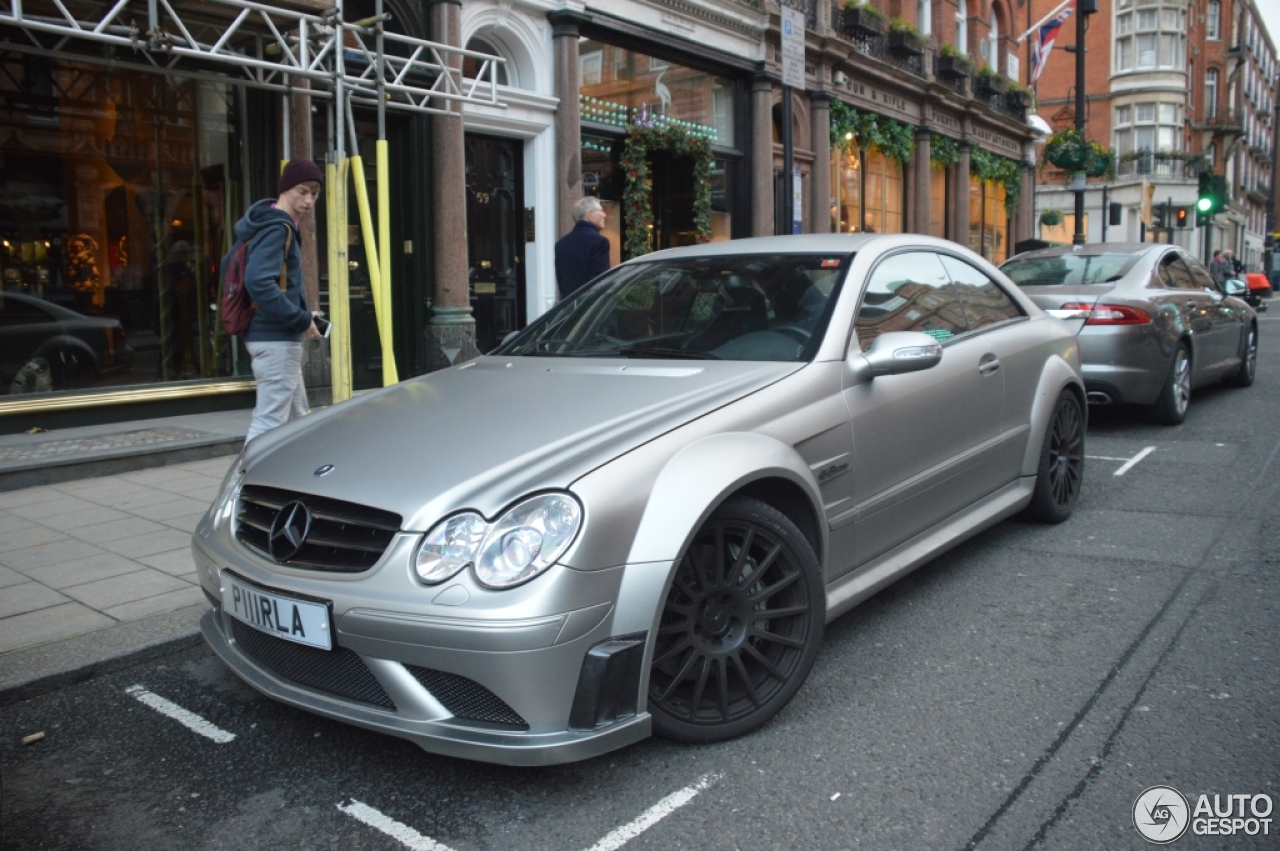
x=1068, y=269
x=768, y=307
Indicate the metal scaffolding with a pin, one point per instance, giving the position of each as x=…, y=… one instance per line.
x=270, y=47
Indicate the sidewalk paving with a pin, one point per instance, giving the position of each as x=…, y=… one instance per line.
x=96, y=571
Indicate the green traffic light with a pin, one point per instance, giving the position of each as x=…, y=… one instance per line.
x=1204, y=205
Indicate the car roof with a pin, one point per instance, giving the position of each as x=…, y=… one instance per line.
x=808, y=243
x=1095, y=249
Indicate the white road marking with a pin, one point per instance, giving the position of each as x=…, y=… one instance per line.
x=621, y=836
x=1134, y=460
x=190, y=720
x=404, y=834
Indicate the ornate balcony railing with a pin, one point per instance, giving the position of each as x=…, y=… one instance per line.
x=809, y=7
x=1150, y=165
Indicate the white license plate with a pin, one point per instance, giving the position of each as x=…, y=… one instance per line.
x=277, y=614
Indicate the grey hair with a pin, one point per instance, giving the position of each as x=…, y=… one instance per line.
x=585, y=205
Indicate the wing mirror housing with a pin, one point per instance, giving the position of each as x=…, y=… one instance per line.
x=897, y=352
x=1235, y=287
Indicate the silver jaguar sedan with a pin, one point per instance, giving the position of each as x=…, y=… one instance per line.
x=637, y=515
x=1156, y=325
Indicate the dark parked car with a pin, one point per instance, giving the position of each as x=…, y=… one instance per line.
x=1156, y=325
x=44, y=346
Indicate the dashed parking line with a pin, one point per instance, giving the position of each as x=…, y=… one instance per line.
x=189, y=720
x=1128, y=462
x=621, y=836
x=612, y=841
x=404, y=834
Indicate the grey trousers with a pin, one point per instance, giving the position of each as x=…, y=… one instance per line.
x=281, y=393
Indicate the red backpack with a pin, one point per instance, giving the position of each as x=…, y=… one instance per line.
x=235, y=309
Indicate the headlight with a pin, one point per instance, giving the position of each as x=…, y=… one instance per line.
x=522, y=543
x=225, y=505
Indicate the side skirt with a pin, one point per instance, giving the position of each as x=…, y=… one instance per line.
x=857, y=586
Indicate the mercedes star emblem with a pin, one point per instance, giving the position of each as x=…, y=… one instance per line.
x=289, y=531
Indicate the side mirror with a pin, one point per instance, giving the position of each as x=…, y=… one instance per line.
x=1235, y=287
x=898, y=352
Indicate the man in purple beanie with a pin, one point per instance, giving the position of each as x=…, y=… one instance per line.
x=273, y=280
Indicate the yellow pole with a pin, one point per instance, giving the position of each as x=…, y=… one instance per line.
x=381, y=300
x=339, y=298
x=389, y=373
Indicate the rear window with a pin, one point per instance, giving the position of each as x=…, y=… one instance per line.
x=1068, y=269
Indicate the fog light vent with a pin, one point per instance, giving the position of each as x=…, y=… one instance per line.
x=609, y=685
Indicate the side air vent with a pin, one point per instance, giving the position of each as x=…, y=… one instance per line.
x=339, y=672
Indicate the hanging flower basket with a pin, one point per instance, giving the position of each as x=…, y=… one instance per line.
x=641, y=140
x=1101, y=162
x=1051, y=218
x=1067, y=150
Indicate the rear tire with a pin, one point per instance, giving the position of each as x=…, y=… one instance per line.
x=1175, y=398
x=740, y=626
x=1061, y=470
x=1249, y=363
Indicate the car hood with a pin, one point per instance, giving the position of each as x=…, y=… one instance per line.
x=495, y=429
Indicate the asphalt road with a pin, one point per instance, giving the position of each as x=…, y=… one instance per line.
x=1021, y=691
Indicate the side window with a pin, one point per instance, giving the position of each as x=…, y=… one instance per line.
x=1203, y=280
x=1163, y=277
x=1178, y=273
x=909, y=292
x=985, y=304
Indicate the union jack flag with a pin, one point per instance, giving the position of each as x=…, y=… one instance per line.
x=1044, y=40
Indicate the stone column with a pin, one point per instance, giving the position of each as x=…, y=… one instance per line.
x=961, y=196
x=761, y=156
x=921, y=199
x=568, y=120
x=1026, y=205
x=451, y=330
x=820, y=176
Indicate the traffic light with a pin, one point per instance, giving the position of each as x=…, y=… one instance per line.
x=1204, y=199
x=1158, y=217
x=1181, y=215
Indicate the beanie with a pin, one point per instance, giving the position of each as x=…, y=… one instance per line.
x=299, y=170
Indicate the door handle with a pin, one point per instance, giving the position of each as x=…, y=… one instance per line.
x=988, y=364
x=485, y=264
x=1192, y=305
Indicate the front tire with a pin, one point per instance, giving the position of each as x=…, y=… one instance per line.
x=1249, y=363
x=740, y=626
x=1171, y=407
x=1061, y=470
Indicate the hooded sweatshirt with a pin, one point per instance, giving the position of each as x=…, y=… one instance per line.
x=281, y=316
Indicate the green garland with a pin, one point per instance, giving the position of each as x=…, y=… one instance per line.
x=640, y=141
x=943, y=150
x=889, y=136
x=992, y=168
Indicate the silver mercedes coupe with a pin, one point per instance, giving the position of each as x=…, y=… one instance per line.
x=1155, y=323
x=637, y=515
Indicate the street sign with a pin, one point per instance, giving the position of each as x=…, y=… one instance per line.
x=793, y=48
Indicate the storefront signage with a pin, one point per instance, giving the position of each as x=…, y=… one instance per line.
x=947, y=125
x=996, y=142
x=676, y=22
x=793, y=48
x=869, y=97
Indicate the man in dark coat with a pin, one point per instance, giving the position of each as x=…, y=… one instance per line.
x=583, y=253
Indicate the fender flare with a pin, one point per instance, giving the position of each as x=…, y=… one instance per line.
x=1058, y=375
x=700, y=476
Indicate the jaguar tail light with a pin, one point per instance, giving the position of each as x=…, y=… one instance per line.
x=1111, y=314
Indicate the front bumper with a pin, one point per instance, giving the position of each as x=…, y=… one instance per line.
x=556, y=678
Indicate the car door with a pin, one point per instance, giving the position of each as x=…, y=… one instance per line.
x=1226, y=323
x=1017, y=346
x=1193, y=306
x=919, y=439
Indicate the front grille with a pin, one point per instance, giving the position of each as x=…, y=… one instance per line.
x=467, y=698
x=339, y=671
x=344, y=537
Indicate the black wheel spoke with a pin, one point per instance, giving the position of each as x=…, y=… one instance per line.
x=764, y=662
x=785, y=582
x=672, y=652
x=774, y=638
x=700, y=686
x=744, y=579
x=746, y=679
x=799, y=609
x=679, y=676
x=722, y=684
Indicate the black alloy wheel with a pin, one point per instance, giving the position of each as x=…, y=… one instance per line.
x=1061, y=471
x=740, y=626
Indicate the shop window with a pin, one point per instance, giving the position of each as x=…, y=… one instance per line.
x=113, y=220
x=937, y=201
x=988, y=221
x=635, y=87
x=869, y=191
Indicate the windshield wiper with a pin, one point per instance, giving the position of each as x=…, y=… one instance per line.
x=659, y=352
